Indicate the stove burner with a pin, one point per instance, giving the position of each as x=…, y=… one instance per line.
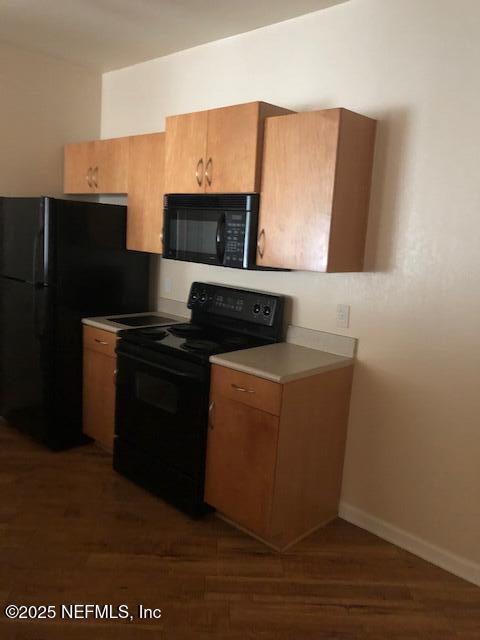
x=203, y=346
x=185, y=330
x=236, y=341
x=158, y=333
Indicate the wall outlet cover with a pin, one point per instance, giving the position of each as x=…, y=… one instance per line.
x=343, y=316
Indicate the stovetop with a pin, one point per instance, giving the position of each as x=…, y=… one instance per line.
x=223, y=319
x=191, y=341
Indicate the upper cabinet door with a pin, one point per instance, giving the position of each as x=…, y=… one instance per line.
x=185, y=153
x=232, y=146
x=217, y=151
x=110, y=173
x=145, y=193
x=317, y=169
x=99, y=166
x=79, y=160
x=235, y=147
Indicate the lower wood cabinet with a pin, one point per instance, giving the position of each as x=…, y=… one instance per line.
x=99, y=370
x=241, y=463
x=275, y=451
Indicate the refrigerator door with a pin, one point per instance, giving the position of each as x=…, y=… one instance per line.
x=24, y=239
x=94, y=273
x=25, y=363
x=75, y=253
x=94, y=276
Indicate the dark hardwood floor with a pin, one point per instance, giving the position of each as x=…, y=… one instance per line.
x=73, y=531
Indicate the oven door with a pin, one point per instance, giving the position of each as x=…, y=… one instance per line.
x=194, y=235
x=161, y=409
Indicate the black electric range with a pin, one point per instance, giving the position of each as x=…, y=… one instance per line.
x=163, y=387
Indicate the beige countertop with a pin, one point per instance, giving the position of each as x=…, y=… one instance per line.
x=281, y=362
x=107, y=323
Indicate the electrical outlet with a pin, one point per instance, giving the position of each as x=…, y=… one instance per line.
x=343, y=316
x=168, y=285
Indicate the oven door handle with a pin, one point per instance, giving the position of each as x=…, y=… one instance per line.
x=161, y=367
x=220, y=239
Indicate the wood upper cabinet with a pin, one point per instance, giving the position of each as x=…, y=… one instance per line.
x=79, y=160
x=99, y=370
x=99, y=166
x=235, y=146
x=112, y=173
x=317, y=170
x=145, y=192
x=217, y=151
x=275, y=451
x=185, y=151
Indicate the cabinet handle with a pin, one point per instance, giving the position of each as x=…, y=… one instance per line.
x=208, y=176
x=261, y=243
x=100, y=341
x=199, y=173
x=115, y=372
x=242, y=389
x=88, y=177
x=95, y=177
x=210, y=414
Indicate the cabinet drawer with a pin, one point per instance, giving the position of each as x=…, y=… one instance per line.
x=243, y=387
x=99, y=340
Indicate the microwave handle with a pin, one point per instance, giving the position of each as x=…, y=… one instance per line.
x=220, y=239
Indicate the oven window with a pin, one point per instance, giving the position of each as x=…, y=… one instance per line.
x=155, y=391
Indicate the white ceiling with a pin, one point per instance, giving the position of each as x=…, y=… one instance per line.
x=110, y=34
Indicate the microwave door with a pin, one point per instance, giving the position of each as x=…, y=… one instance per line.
x=194, y=235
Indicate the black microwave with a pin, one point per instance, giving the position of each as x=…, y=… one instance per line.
x=219, y=229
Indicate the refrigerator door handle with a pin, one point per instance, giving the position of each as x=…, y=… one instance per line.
x=36, y=243
x=39, y=310
x=36, y=320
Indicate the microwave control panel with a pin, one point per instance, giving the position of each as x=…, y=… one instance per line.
x=235, y=226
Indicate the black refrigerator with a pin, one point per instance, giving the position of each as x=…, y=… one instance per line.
x=60, y=261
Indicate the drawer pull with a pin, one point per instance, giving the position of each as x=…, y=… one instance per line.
x=242, y=389
x=101, y=341
x=210, y=414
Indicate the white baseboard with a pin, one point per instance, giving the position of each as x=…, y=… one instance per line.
x=442, y=558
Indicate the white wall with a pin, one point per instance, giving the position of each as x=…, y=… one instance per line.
x=414, y=438
x=44, y=102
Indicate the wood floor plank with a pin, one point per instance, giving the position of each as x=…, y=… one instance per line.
x=74, y=531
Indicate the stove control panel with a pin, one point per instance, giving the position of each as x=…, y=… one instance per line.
x=255, y=307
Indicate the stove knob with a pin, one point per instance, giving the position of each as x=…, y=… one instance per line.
x=194, y=297
x=203, y=297
x=266, y=310
x=256, y=308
